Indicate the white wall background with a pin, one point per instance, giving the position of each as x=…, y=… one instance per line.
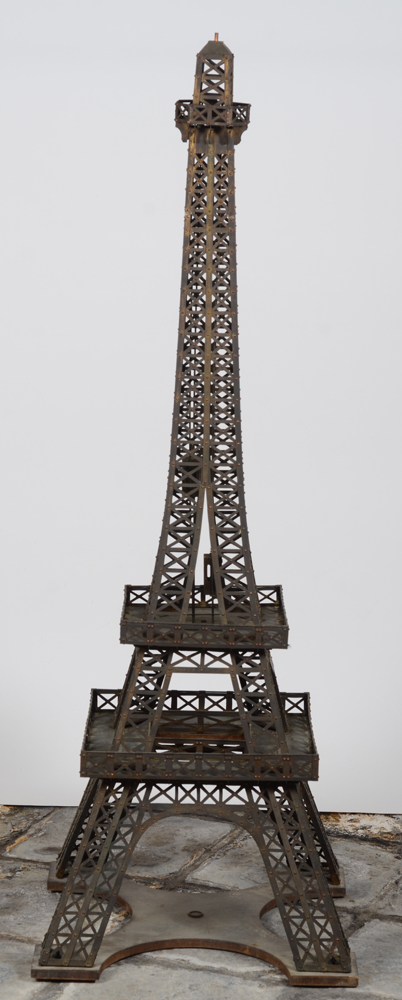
x=92, y=192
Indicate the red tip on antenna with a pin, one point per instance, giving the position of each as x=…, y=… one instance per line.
x=216, y=39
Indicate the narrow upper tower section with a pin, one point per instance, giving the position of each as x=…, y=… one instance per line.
x=212, y=104
x=206, y=456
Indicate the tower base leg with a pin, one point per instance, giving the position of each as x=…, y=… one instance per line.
x=295, y=855
x=227, y=921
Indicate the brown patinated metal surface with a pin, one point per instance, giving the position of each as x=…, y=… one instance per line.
x=153, y=749
x=199, y=734
x=164, y=920
x=203, y=624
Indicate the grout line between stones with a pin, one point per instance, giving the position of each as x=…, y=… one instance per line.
x=386, y=889
x=155, y=883
x=27, y=862
x=177, y=878
x=5, y=936
x=218, y=847
x=12, y=840
x=391, y=845
x=193, y=966
x=363, y=916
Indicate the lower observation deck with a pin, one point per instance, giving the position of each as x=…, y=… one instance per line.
x=199, y=737
x=202, y=627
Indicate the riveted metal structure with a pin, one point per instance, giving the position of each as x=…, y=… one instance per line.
x=154, y=749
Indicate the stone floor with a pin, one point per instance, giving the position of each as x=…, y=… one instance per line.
x=190, y=855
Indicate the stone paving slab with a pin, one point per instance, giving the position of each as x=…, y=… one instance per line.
x=45, y=838
x=16, y=820
x=378, y=948
x=168, y=980
x=26, y=907
x=174, y=842
x=15, y=970
x=369, y=869
x=365, y=826
x=188, y=854
x=240, y=866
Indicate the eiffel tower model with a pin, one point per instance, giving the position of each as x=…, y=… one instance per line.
x=151, y=750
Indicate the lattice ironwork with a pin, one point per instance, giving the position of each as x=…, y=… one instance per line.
x=206, y=450
x=276, y=817
x=298, y=880
x=153, y=749
x=202, y=624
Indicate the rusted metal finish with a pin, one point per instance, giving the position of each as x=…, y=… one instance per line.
x=70, y=846
x=152, y=749
x=138, y=715
x=227, y=921
x=206, y=451
x=200, y=733
x=276, y=817
x=327, y=857
x=202, y=625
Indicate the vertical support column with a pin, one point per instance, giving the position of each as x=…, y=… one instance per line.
x=301, y=890
x=258, y=701
x=81, y=916
x=142, y=700
x=75, y=833
x=173, y=577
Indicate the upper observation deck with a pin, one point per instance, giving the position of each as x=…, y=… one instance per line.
x=202, y=626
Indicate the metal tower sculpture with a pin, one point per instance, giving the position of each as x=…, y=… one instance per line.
x=243, y=755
